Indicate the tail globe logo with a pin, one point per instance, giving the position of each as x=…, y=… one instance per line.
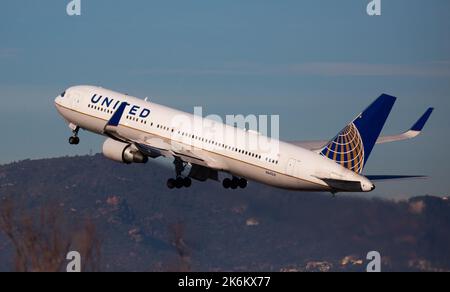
x=347, y=149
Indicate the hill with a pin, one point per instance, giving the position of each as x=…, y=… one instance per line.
x=142, y=226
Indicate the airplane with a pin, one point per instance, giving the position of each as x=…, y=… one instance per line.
x=137, y=130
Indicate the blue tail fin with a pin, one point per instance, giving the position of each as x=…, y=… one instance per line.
x=351, y=148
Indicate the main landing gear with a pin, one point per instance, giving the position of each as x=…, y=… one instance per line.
x=180, y=181
x=74, y=139
x=234, y=183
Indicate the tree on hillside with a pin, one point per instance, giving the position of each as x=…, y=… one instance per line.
x=41, y=240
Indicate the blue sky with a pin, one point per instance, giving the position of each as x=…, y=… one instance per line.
x=316, y=63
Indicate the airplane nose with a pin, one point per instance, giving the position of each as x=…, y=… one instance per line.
x=59, y=98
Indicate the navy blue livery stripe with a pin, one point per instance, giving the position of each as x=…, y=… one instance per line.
x=115, y=119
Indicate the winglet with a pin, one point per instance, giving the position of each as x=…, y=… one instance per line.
x=115, y=119
x=418, y=126
x=415, y=130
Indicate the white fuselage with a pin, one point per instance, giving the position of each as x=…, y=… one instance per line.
x=279, y=164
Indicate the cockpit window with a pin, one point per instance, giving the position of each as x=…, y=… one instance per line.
x=62, y=94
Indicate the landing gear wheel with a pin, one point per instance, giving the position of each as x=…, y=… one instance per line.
x=187, y=182
x=226, y=183
x=234, y=183
x=243, y=183
x=171, y=183
x=74, y=140
x=179, y=182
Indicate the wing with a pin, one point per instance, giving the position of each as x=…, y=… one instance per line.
x=415, y=131
x=310, y=145
x=168, y=148
x=155, y=146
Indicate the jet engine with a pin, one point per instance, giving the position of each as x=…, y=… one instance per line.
x=122, y=152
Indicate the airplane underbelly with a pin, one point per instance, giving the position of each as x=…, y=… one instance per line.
x=270, y=177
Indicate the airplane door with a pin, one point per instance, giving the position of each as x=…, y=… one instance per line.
x=291, y=167
x=76, y=100
x=298, y=170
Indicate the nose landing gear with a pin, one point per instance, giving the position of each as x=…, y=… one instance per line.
x=74, y=139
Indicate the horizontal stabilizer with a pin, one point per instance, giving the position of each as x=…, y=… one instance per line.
x=394, y=177
x=343, y=185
